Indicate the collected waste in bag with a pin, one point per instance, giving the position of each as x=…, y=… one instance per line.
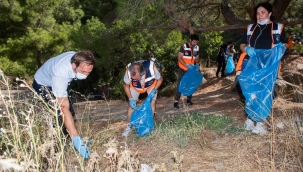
x=257, y=81
x=230, y=66
x=142, y=118
x=190, y=81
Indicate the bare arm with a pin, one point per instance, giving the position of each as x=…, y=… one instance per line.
x=67, y=117
x=197, y=60
x=234, y=51
x=127, y=90
x=242, y=47
x=159, y=82
x=180, y=55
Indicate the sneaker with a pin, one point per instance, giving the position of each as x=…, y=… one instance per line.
x=176, y=105
x=127, y=131
x=189, y=102
x=249, y=124
x=260, y=129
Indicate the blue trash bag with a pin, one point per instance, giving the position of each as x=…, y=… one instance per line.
x=257, y=81
x=230, y=66
x=190, y=82
x=244, y=62
x=142, y=118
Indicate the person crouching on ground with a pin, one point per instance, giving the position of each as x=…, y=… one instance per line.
x=140, y=77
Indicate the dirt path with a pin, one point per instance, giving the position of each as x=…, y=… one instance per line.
x=213, y=97
x=209, y=151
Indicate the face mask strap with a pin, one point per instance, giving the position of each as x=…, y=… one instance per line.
x=80, y=76
x=263, y=22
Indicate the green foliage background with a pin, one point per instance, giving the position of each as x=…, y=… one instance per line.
x=117, y=31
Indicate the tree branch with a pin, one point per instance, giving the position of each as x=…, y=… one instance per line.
x=220, y=28
x=229, y=15
x=292, y=23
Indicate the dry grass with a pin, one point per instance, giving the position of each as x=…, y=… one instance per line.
x=29, y=140
x=280, y=150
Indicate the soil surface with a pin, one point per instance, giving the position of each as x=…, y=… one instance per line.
x=104, y=120
x=210, y=151
x=213, y=97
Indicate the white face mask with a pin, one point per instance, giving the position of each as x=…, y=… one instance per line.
x=264, y=21
x=80, y=76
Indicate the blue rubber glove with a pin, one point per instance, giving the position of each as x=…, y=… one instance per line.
x=250, y=51
x=197, y=67
x=132, y=103
x=280, y=44
x=81, y=147
x=153, y=92
x=190, y=66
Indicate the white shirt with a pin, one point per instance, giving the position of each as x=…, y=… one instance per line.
x=56, y=73
x=127, y=80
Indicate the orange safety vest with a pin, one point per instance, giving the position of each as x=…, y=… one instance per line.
x=189, y=55
x=276, y=30
x=149, y=81
x=239, y=64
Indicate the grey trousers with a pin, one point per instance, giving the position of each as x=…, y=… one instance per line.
x=181, y=72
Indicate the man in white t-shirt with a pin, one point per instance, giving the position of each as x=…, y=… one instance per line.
x=53, y=78
x=140, y=77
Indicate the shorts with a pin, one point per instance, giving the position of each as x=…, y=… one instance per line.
x=136, y=94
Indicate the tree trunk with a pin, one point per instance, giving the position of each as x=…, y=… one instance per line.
x=39, y=60
x=279, y=7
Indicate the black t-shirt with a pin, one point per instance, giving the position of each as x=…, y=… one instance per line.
x=220, y=55
x=262, y=37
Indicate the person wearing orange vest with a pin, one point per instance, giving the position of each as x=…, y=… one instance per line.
x=140, y=77
x=188, y=57
x=240, y=62
x=238, y=71
x=265, y=34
